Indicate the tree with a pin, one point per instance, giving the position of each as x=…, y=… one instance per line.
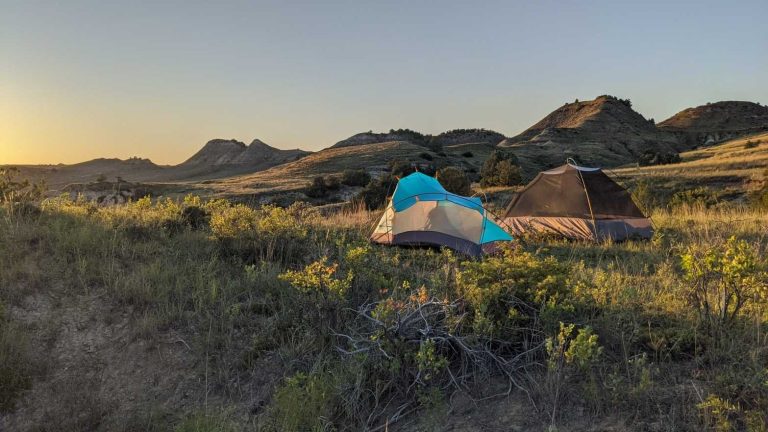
x=454, y=180
x=321, y=186
x=377, y=192
x=357, y=177
x=401, y=168
x=500, y=169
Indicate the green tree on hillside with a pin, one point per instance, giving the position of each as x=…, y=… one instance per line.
x=500, y=169
x=454, y=180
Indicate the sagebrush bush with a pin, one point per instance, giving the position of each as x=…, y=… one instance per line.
x=725, y=280
x=505, y=292
x=304, y=403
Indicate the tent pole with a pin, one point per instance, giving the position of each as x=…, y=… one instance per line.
x=589, y=204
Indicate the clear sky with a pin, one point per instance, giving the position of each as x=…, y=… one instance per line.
x=158, y=79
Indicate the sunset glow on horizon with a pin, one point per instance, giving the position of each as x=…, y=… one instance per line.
x=82, y=80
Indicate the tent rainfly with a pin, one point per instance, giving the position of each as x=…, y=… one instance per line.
x=579, y=203
x=422, y=212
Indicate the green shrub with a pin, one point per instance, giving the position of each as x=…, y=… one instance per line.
x=304, y=403
x=324, y=292
x=195, y=217
x=656, y=158
x=202, y=422
x=359, y=177
x=426, y=156
x=581, y=350
x=239, y=221
x=468, y=154
x=500, y=169
x=504, y=292
x=401, y=168
x=454, y=180
x=700, y=196
x=15, y=191
x=322, y=186
x=377, y=192
x=724, y=280
x=645, y=195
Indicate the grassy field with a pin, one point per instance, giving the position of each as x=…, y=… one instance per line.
x=726, y=170
x=202, y=316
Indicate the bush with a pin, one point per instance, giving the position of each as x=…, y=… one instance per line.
x=505, y=292
x=655, y=158
x=268, y=233
x=468, y=154
x=426, y=156
x=751, y=144
x=401, y=168
x=239, y=221
x=700, y=196
x=724, y=280
x=454, y=180
x=321, y=186
x=359, y=177
x=644, y=195
x=500, y=169
x=304, y=403
x=377, y=192
x=18, y=191
x=195, y=217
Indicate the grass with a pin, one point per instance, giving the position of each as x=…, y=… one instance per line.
x=288, y=319
x=728, y=169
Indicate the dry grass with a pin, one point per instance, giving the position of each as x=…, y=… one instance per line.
x=730, y=167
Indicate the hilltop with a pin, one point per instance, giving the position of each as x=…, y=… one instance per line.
x=257, y=155
x=605, y=131
x=716, y=122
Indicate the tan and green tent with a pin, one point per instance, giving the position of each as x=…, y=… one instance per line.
x=578, y=203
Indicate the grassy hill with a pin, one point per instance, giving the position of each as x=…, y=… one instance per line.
x=604, y=132
x=730, y=170
x=717, y=122
x=294, y=177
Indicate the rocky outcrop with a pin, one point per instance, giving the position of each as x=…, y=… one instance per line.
x=217, y=152
x=220, y=152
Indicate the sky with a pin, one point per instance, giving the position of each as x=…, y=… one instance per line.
x=158, y=79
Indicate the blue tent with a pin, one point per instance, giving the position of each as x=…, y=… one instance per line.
x=422, y=212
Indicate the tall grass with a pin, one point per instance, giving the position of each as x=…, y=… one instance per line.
x=261, y=289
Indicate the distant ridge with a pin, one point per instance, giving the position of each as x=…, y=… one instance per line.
x=716, y=122
x=452, y=137
x=221, y=152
